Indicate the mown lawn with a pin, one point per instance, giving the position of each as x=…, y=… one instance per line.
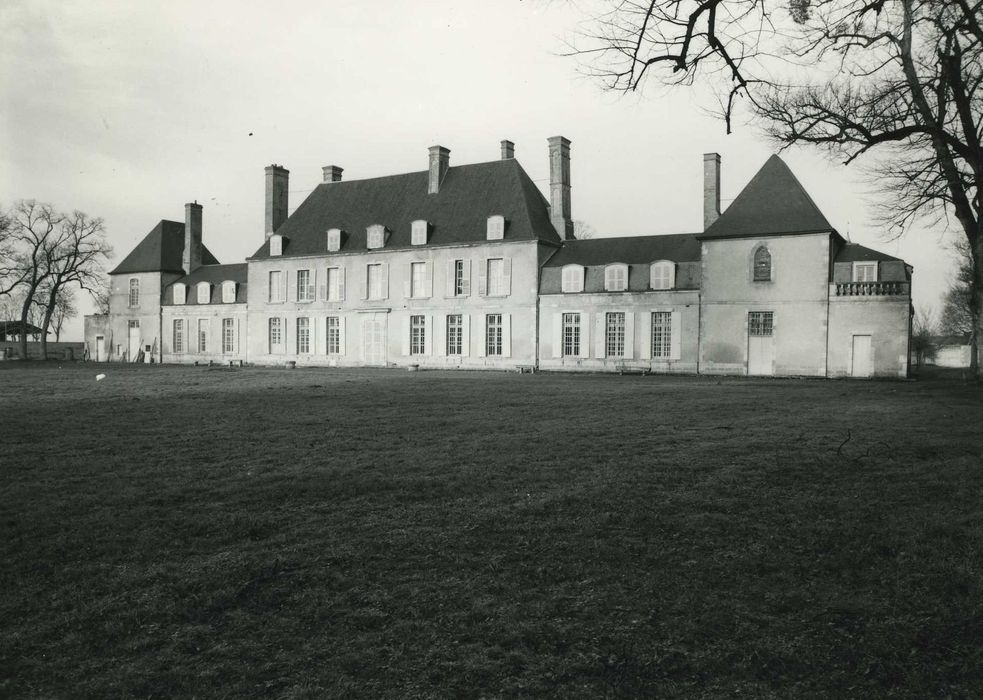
x=175, y=532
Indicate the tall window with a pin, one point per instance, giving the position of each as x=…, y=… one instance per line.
x=614, y=334
x=496, y=228
x=276, y=335
x=134, y=292
x=335, y=290
x=418, y=232
x=228, y=335
x=761, y=323
x=276, y=285
x=334, y=239
x=865, y=272
x=418, y=280
x=180, y=293
x=616, y=278
x=334, y=336
x=762, y=265
x=303, y=335
x=496, y=277
x=493, y=334
x=573, y=278
x=376, y=236
x=374, y=273
x=202, y=335
x=178, y=341
x=662, y=275
x=418, y=335
x=455, y=334
x=571, y=335
x=276, y=245
x=204, y=293
x=462, y=285
x=228, y=292
x=662, y=334
x=305, y=286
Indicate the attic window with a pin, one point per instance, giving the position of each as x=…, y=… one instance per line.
x=334, y=239
x=376, y=236
x=276, y=244
x=662, y=275
x=180, y=294
x=865, y=272
x=204, y=292
x=572, y=279
x=496, y=227
x=228, y=292
x=616, y=277
x=419, y=233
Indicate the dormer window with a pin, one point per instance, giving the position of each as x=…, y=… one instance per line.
x=180, y=293
x=228, y=292
x=496, y=228
x=762, y=265
x=276, y=244
x=419, y=232
x=662, y=275
x=204, y=292
x=375, y=236
x=865, y=272
x=616, y=277
x=573, y=278
x=334, y=240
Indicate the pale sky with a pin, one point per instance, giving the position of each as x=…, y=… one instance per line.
x=128, y=110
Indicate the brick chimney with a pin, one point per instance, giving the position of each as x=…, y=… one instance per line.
x=332, y=173
x=440, y=159
x=191, y=258
x=277, y=181
x=711, y=188
x=560, y=187
x=508, y=150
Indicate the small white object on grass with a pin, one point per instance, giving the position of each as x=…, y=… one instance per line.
x=100, y=377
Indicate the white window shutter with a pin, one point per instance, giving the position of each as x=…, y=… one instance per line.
x=506, y=335
x=365, y=283
x=483, y=336
x=321, y=335
x=291, y=287
x=557, y=338
x=465, y=335
x=675, y=339
x=483, y=277
x=466, y=282
x=408, y=281
x=449, y=287
x=340, y=282
x=507, y=276
x=428, y=331
x=406, y=335
x=629, y=335
x=584, y=334
x=645, y=335
x=385, y=280
x=321, y=277
x=440, y=333
x=237, y=340
x=599, y=335
x=283, y=285
x=428, y=279
x=341, y=335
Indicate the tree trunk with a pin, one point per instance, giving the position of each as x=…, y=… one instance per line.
x=48, y=311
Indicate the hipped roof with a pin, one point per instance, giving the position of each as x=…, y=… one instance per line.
x=680, y=247
x=161, y=250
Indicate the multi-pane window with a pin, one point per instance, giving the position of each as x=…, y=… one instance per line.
x=178, y=336
x=276, y=245
x=376, y=236
x=374, y=273
x=276, y=285
x=616, y=278
x=662, y=334
x=496, y=277
x=493, y=334
x=180, y=293
x=334, y=239
x=865, y=272
x=276, y=334
x=572, y=279
x=335, y=290
x=418, y=280
x=334, y=335
x=419, y=233
x=303, y=335
x=228, y=335
x=305, y=286
x=662, y=275
x=614, y=334
x=571, y=335
x=204, y=293
x=496, y=228
x=134, y=292
x=761, y=323
x=762, y=265
x=228, y=292
x=418, y=335
x=455, y=334
x=462, y=285
x=202, y=335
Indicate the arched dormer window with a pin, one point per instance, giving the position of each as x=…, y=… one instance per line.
x=419, y=232
x=228, y=292
x=375, y=236
x=204, y=293
x=496, y=228
x=180, y=293
x=762, y=265
x=662, y=274
x=573, y=278
x=616, y=277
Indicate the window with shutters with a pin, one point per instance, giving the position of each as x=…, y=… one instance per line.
x=305, y=285
x=616, y=278
x=276, y=245
x=374, y=276
x=178, y=335
x=462, y=285
x=418, y=280
x=376, y=236
x=418, y=335
x=276, y=286
x=180, y=293
x=419, y=233
x=276, y=335
x=334, y=335
x=662, y=335
x=334, y=240
x=336, y=291
x=303, y=335
x=571, y=335
x=204, y=292
x=496, y=277
x=455, y=334
x=762, y=264
x=228, y=335
x=865, y=272
x=202, y=335
x=662, y=275
x=228, y=292
x=496, y=228
x=614, y=334
x=572, y=278
x=493, y=334
x=134, y=299
x=761, y=323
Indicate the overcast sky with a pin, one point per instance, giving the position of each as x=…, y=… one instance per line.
x=128, y=110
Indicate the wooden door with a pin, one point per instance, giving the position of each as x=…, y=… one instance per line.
x=862, y=364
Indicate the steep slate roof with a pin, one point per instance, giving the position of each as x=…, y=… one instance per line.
x=160, y=251
x=458, y=213
x=215, y=275
x=679, y=247
x=774, y=202
x=853, y=252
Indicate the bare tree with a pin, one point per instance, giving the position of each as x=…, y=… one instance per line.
x=65, y=309
x=897, y=79
x=101, y=293
x=956, y=315
x=35, y=238
x=12, y=269
x=583, y=231
x=922, y=342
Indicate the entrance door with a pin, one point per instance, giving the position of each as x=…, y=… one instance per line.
x=100, y=352
x=863, y=359
x=133, y=348
x=374, y=339
x=760, y=343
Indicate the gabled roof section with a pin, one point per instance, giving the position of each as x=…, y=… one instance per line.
x=773, y=203
x=854, y=252
x=468, y=195
x=679, y=247
x=214, y=275
x=160, y=250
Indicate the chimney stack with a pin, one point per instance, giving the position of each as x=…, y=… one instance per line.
x=508, y=150
x=191, y=258
x=277, y=181
x=332, y=173
x=560, y=187
x=440, y=159
x=711, y=188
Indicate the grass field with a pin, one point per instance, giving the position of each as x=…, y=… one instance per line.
x=171, y=532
